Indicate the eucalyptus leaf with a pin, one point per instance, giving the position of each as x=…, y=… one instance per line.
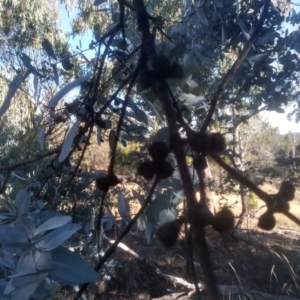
x=243, y=28
x=65, y=90
x=68, y=142
x=28, y=224
x=140, y=114
x=13, y=87
x=108, y=221
x=25, y=286
x=48, y=48
x=70, y=268
x=149, y=231
x=7, y=259
x=166, y=216
x=141, y=222
x=201, y=15
x=10, y=234
x=35, y=84
x=191, y=99
x=33, y=259
x=41, y=135
x=160, y=203
x=52, y=223
x=123, y=207
x=22, y=201
x=58, y=236
x=26, y=60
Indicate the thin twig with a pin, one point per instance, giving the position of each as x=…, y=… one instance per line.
x=242, y=179
x=31, y=160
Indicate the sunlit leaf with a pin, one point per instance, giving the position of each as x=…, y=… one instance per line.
x=35, y=84
x=68, y=142
x=141, y=222
x=65, y=90
x=123, y=207
x=166, y=216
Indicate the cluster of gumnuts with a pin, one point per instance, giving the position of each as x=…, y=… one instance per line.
x=278, y=204
x=198, y=216
x=206, y=143
x=159, y=165
x=161, y=68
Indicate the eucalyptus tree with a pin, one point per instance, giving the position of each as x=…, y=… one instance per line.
x=156, y=63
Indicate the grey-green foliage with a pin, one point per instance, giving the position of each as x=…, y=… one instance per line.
x=162, y=209
x=32, y=257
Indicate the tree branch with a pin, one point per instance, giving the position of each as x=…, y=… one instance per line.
x=31, y=160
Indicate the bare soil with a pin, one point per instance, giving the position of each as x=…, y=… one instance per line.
x=235, y=262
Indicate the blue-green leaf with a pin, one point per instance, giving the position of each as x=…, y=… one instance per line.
x=70, y=268
x=22, y=201
x=166, y=216
x=123, y=207
x=52, y=223
x=58, y=236
x=65, y=90
x=65, y=149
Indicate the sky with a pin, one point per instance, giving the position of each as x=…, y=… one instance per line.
x=274, y=118
x=66, y=25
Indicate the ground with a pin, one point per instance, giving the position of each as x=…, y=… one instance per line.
x=236, y=263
